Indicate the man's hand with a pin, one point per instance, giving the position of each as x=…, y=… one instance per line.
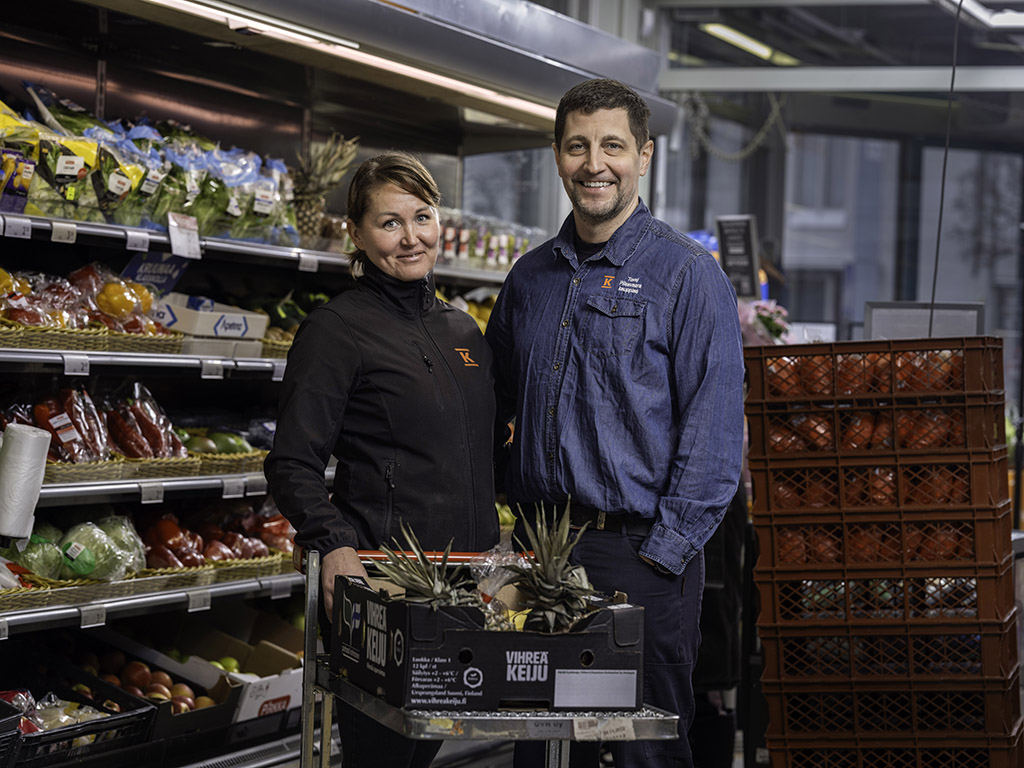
x=656, y=566
x=338, y=562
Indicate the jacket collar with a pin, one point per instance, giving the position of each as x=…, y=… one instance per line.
x=411, y=298
x=622, y=244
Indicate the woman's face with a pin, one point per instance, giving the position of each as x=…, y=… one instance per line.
x=399, y=232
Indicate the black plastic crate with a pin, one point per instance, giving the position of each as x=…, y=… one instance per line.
x=10, y=736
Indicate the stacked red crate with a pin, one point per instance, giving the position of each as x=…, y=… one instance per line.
x=884, y=568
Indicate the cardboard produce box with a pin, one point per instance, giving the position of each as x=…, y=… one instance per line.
x=182, y=313
x=414, y=656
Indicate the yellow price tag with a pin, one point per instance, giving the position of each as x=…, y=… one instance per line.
x=70, y=195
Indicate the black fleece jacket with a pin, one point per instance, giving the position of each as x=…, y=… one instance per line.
x=399, y=387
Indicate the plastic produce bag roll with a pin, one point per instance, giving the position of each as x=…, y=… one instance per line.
x=22, y=463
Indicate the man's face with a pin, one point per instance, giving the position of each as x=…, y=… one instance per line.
x=601, y=165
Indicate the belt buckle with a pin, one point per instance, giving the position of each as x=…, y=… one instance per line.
x=600, y=520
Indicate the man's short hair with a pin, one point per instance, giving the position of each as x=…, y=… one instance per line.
x=592, y=95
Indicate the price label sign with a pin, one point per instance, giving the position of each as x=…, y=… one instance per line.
x=4, y=631
x=151, y=493
x=279, y=588
x=277, y=374
x=198, y=600
x=255, y=484
x=232, y=488
x=18, y=227
x=76, y=365
x=212, y=369
x=63, y=232
x=93, y=616
x=184, y=234
x=136, y=240
x=308, y=262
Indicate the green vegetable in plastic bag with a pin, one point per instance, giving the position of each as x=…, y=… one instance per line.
x=42, y=557
x=47, y=531
x=121, y=531
x=89, y=553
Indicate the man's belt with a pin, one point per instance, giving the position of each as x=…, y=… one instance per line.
x=603, y=521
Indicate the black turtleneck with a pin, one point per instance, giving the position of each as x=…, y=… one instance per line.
x=399, y=387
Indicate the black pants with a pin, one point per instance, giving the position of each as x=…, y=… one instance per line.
x=365, y=743
x=671, y=638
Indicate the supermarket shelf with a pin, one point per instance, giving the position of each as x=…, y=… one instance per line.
x=80, y=362
x=78, y=607
x=138, y=239
x=155, y=490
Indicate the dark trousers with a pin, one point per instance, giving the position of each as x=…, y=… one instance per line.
x=365, y=743
x=671, y=638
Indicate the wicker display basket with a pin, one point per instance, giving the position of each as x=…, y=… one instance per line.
x=253, y=568
x=274, y=348
x=10, y=335
x=231, y=463
x=161, y=344
x=24, y=598
x=85, y=339
x=87, y=472
x=197, y=576
x=183, y=466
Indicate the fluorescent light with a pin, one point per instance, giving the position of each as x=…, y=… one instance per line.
x=749, y=44
x=980, y=12
x=252, y=23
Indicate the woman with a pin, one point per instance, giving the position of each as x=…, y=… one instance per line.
x=398, y=386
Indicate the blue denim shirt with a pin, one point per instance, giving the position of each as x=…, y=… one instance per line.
x=625, y=376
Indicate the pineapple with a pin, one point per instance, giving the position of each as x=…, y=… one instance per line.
x=318, y=173
x=555, y=590
x=423, y=580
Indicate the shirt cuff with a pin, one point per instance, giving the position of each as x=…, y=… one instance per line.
x=667, y=548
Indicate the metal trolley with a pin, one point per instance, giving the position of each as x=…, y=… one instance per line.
x=556, y=729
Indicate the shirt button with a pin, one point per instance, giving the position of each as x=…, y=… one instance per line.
x=556, y=366
x=551, y=411
x=565, y=323
x=576, y=281
x=551, y=454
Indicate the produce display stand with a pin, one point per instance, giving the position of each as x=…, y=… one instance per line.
x=556, y=729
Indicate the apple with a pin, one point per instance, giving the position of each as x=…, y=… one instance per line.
x=159, y=688
x=187, y=701
x=136, y=673
x=229, y=664
x=157, y=697
x=112, y=662
x=204, y=701
x=218, y=665
x=182, y=689
x=180, y=704
x=88, y=659
x=114, y=680
x=133, y=691
x=82, y=689
x=161, y=677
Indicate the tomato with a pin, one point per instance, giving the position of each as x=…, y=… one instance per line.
x=816, y=374
x=783, y=376
x=942, y=485
x=959, y=492
x=889, y=549
x=882, y=371
x=921, y=493
x=955, y=438
x=816, y=429
x=854, y=488
x=782, y=439
x=931, y=431
x=854, y=373
x=882, y=486
x=941, y=544
x=860, y=428
x=785, y=495
x=956, y=370
x=792, y=546
x=912, y=541
x=865, y=543
x=906, y=426
x=881, y=438
x=823, y=546
x=818, y=493
x=965, y=548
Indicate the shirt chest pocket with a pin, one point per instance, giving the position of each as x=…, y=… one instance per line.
x=612, y=325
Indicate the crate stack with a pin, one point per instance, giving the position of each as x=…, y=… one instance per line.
x=884, y=567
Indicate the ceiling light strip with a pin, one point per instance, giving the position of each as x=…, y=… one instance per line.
x=236, y=19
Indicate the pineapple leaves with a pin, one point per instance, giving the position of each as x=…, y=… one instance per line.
x=424, y=580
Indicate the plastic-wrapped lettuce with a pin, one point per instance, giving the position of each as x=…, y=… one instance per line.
x=40, y=556
x=120, y=529
x=89, y=553
x=47, y=531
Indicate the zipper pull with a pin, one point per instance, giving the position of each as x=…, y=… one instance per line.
x=430, y=365
x=389, y=474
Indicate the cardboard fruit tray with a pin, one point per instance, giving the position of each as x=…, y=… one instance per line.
x=916, y=425
x=887, y=482
x=918, y=752
x=946, y=592
x=897, y=710
x=864, y=541
x=980, y=651
x=874, y=368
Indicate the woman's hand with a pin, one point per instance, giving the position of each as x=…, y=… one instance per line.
x=338, y=562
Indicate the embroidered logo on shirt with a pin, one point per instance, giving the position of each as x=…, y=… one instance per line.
x=466, y=359
x=631, y=285
x=608, y=279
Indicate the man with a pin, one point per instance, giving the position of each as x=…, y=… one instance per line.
x=618, y=352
